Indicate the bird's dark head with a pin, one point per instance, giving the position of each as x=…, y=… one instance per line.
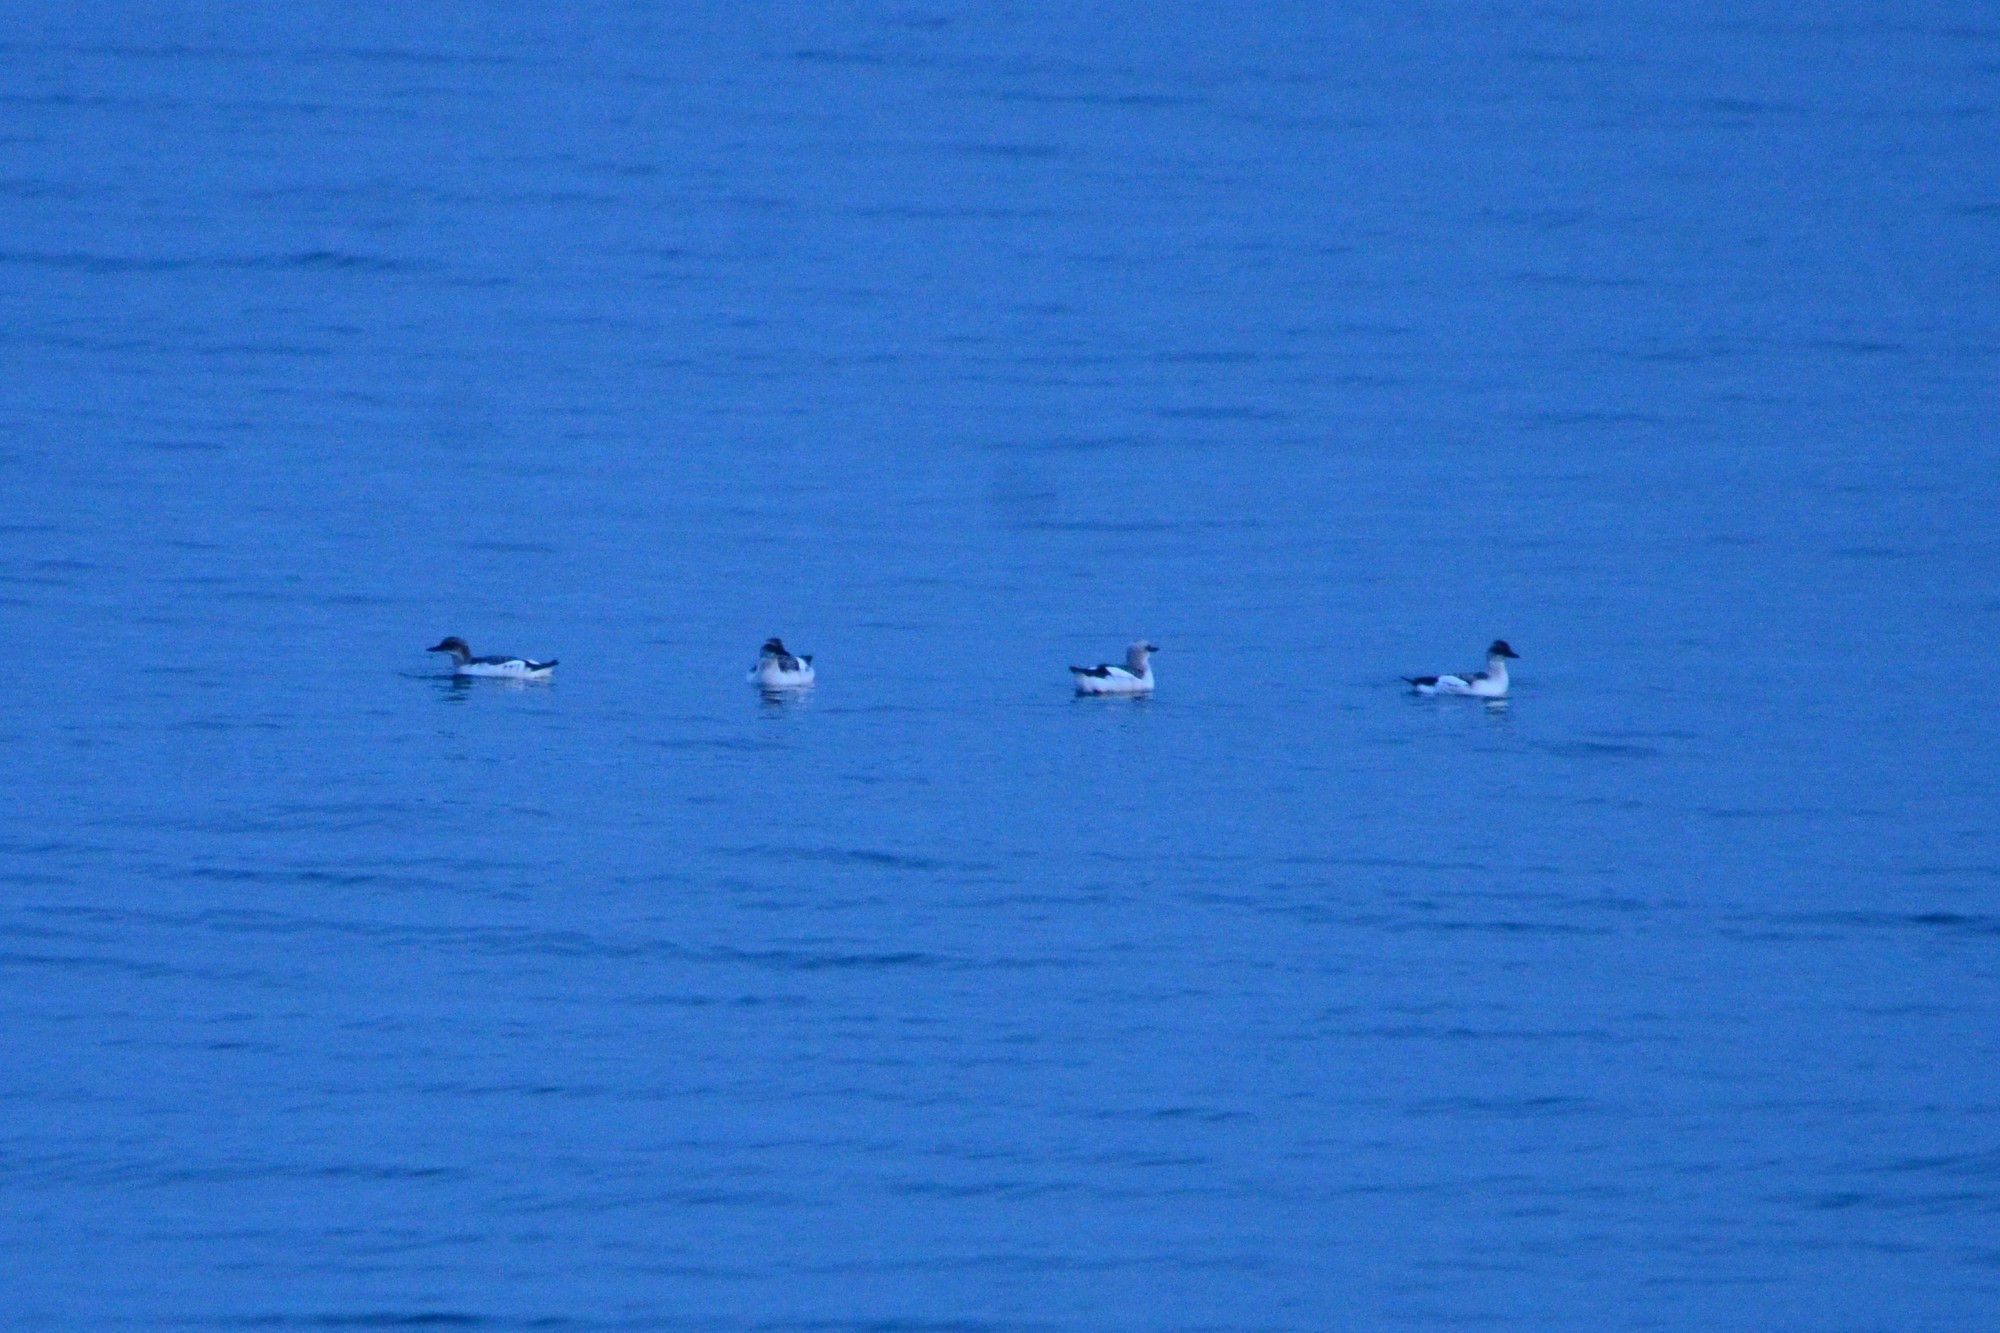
x=775, y=647
x=1500, y=649
x=453, y=645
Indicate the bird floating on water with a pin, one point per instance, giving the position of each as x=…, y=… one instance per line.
x=1488, y=684
x=1135, y=677
x=513, y=668
x=778, y=669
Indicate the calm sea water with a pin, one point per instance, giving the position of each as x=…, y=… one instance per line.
x=957, y=345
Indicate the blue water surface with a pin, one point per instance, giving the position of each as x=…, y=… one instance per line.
x=957, y=344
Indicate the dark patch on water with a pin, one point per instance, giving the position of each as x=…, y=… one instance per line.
x=494, y=547
x=1969, y=924
x=857, y=856
x=801, y=960
x=1235, y=413
x=1962, y=923
x=1743, y=110
x=1207, y=358
x=1587, y=417
x=1015, y=151
x=828, y=56
x=1579, y=281
x=1135, y=101
x=1855, y=346
x=419, y=1319
x=308, y=260
x=1506, y=1108
x=1498, y=927
x=1974, y=871
x=1602, y=750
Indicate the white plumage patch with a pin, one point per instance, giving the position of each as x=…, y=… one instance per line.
x=1135, y=677
x=515, y=668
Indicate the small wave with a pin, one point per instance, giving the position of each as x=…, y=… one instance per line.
x=1975, y=924
x=385, y=1319
x=1035, y=151
x=856, y=856
x=1965, y=923
x=80, y=261
x=799, y=960
x=1978, y=1165
x=1140, y=101
x=1232, y=412
x=1579, y=281
x=1110, y=528
x=1425, y=1032
x=1506, y=1108
x=1587, y=417
x=511, y=548
x=818, y=55
x=131, y=967
x=1503, y=927
x=1387, y=863
x=1976, y=871
x=1602, y=750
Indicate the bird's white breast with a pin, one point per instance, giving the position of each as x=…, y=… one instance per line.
x=1117, y=681
x=516, y=669
x=774, y=677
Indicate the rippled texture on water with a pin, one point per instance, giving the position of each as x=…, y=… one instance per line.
x=957, y=347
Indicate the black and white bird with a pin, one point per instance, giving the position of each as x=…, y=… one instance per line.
x=1488, y=684
x=778, y=669
x=514, y=668
x=1135, y=677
